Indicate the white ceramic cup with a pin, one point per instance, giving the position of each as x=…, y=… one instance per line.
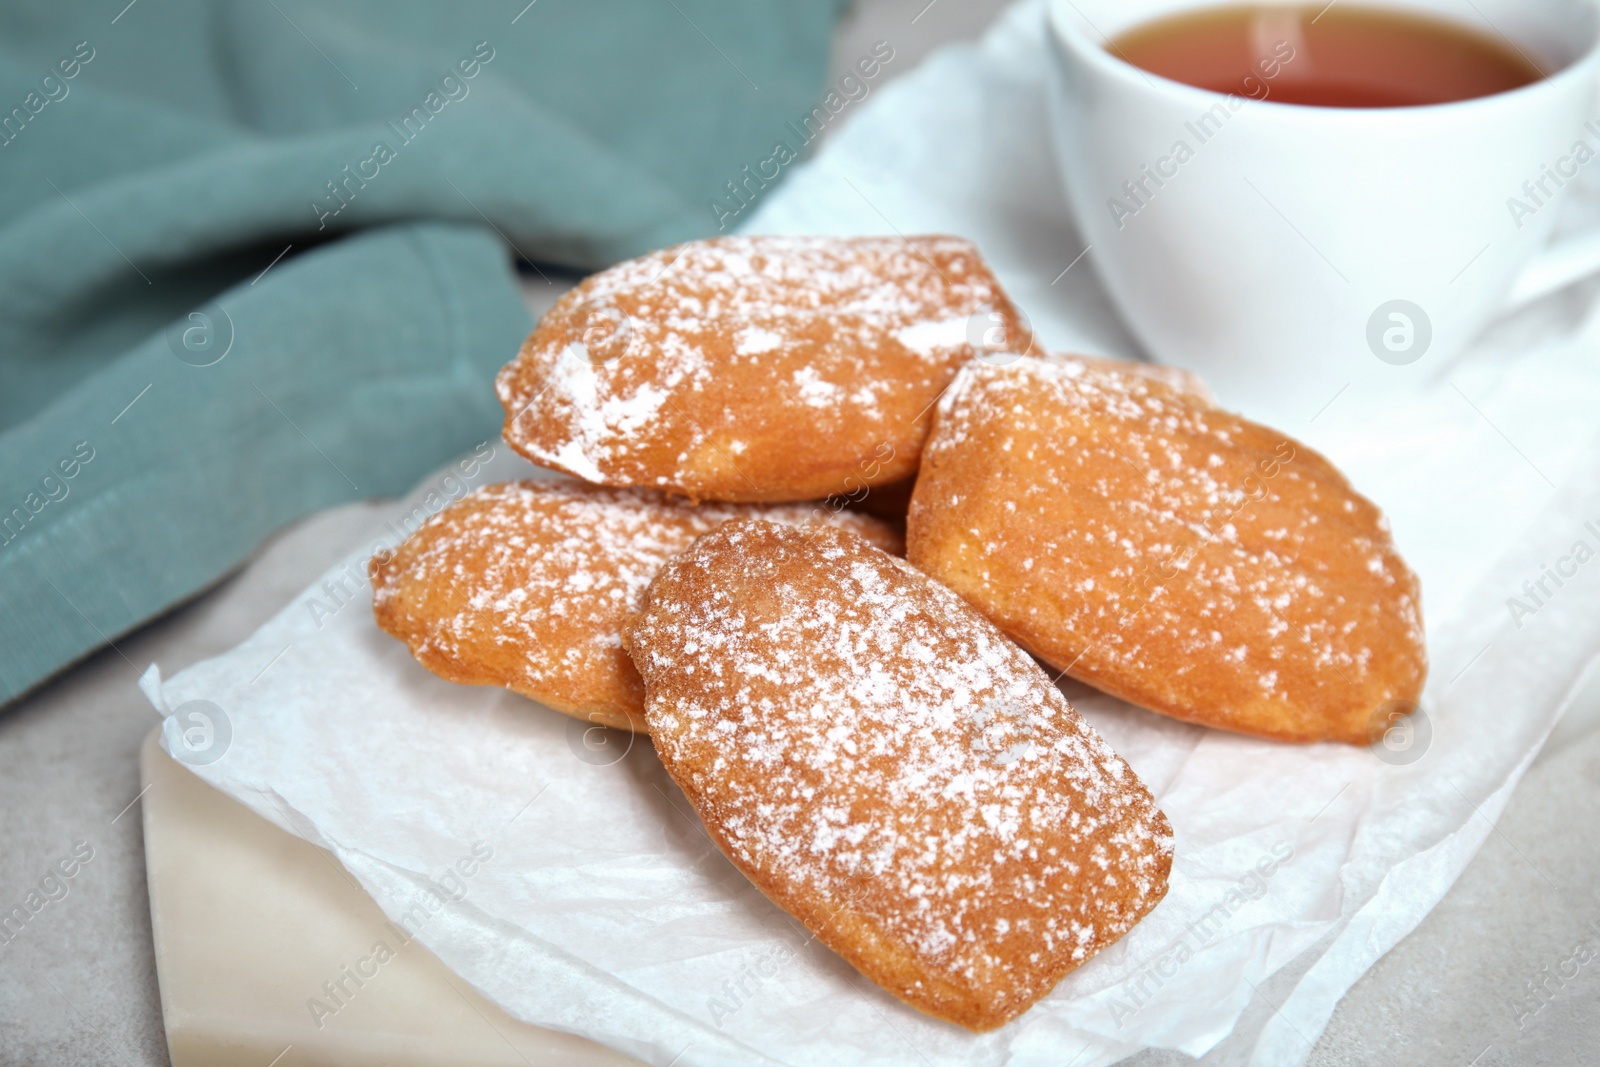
x=1294, y=250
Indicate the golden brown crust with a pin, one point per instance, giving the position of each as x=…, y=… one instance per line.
x=1168, y=552
x=891, y=770
x=754, y=368
x=529, y=586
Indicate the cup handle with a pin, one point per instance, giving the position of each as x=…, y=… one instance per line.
x=1557, y=266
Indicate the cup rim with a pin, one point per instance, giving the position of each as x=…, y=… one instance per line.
x=1069, y=37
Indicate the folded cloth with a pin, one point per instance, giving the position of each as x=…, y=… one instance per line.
x=152, y=431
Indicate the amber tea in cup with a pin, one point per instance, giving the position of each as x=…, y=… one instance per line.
x=1328, y=56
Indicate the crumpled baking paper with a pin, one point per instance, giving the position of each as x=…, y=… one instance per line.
x=596, y=904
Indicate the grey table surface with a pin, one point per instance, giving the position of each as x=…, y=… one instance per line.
x=1490, y=977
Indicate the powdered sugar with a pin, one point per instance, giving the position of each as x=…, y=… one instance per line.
x=930, y=338
x=1172, y=520
x=863, y=742
x=643, y=373
x=539, y=578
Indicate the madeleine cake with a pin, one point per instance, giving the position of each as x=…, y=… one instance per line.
x=890, y=769
x=529, y=585
x=1138, y=538
x=755, y=368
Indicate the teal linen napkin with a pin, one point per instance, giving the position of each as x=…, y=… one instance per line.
x=253, y=255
